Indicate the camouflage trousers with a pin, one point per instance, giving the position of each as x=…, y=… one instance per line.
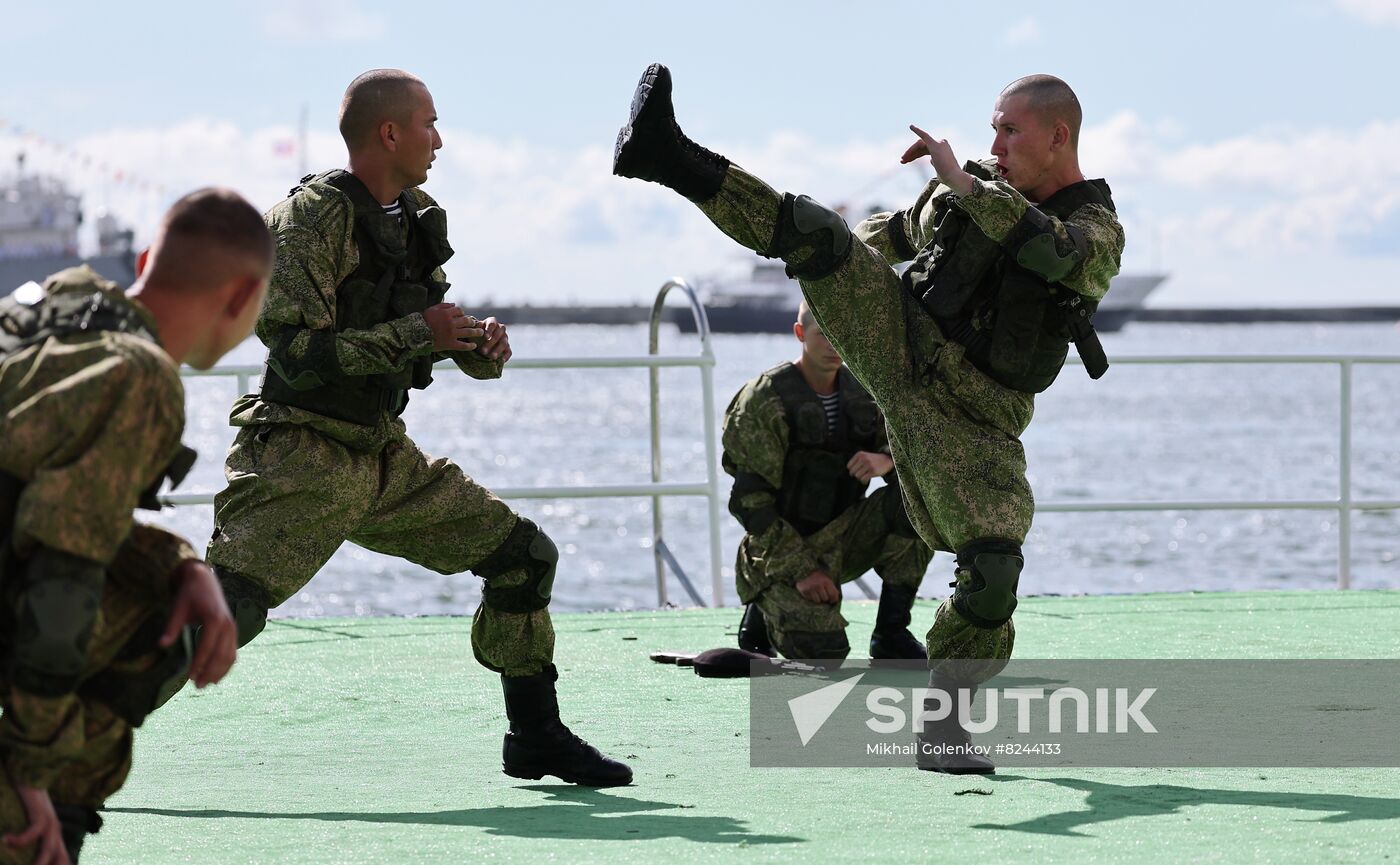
x=858, y=540
x=295, y=495
x=95, y=741
x=954, y=433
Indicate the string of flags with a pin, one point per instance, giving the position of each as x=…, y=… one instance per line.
x=115, y=173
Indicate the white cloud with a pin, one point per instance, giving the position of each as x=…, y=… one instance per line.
x=321, y=21
x=1023, y=32
x=1373, y=11
x=1249, y=219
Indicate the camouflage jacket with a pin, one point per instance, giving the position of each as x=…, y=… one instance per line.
x=755, y=441
x=87, y=423
x=316, y=252
x=996, y=207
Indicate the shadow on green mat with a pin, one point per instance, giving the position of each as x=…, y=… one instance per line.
x=1107, y=802
x=575, y=812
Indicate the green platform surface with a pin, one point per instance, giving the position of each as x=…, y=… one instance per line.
x=377, y=740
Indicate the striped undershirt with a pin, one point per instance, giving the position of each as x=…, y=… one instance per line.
x=395, y=210
x=831, y=402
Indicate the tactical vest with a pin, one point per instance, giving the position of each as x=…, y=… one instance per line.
x=816, y=486
x=68, y=312
x=393, y=279
x=1015, y=325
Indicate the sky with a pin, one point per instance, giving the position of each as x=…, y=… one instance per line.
x=1251, y=146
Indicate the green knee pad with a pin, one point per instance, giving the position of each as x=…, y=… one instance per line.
x=989, y=570
x=56, y=609
x=525, y=548
x=814, y=234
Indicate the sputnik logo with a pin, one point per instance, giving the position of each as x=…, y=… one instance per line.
x=811, y=711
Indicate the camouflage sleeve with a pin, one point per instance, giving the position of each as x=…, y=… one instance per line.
x=40, y=736
x=122, y=420
x=316, y=252
x=996, y=207
x=148, y=557
x=755, y=439
x=899, y=236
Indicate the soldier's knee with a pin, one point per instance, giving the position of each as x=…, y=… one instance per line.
x=821, y=645
x=988, y=572
x=526, y=548
x=813, y=235
x=247, y=601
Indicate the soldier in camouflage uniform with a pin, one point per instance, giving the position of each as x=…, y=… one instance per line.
x=95, y=625
x=803, y=441
x=1009, y=259
x=355, y=319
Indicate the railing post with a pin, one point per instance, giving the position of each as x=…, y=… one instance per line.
x=1344, y=490
x=654, y=378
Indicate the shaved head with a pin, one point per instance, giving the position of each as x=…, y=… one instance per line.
x=1052, y=100
x=804, y=315
x=374, y=97
x=207, y=238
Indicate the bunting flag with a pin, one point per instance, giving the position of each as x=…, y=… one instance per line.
x=113, y=173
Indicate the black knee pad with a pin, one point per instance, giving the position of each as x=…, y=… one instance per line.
x=248, y=602
x=525, y=548
x=816, y=235
x=827, y=645
x=988, y=572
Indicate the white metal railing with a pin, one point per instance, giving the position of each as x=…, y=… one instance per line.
x=1344, y=504
x=656, y=490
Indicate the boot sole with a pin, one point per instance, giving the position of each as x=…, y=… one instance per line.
x=581, y=780
x=656, y=75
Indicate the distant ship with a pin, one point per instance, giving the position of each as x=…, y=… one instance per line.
x=767, y=301
x=39, y=222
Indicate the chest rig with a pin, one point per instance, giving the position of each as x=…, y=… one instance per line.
x=394, y=278
x=1015, y=324
x=816, y=486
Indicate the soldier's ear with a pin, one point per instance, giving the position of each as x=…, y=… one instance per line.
x=389, y=135
x=797, y=331
x=142, y=260
x=246, y=290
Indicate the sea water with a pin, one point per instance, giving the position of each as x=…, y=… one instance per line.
x=1180, y=432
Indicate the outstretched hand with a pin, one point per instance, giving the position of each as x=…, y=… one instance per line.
x=44, y=829
x=940, y=153
x=199, y=600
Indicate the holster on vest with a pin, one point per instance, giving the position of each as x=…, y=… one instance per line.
x=394, y=279
x=1015, y=325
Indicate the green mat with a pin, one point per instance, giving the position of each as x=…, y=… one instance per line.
x=378, y=741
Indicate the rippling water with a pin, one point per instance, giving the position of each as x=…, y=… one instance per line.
x=1142, y=432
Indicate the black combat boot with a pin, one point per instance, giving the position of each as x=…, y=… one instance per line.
x=753, y=632
x=539, y=744
x=76, y=822
x=652, y=147
x=944, y=746
x=891, y=638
